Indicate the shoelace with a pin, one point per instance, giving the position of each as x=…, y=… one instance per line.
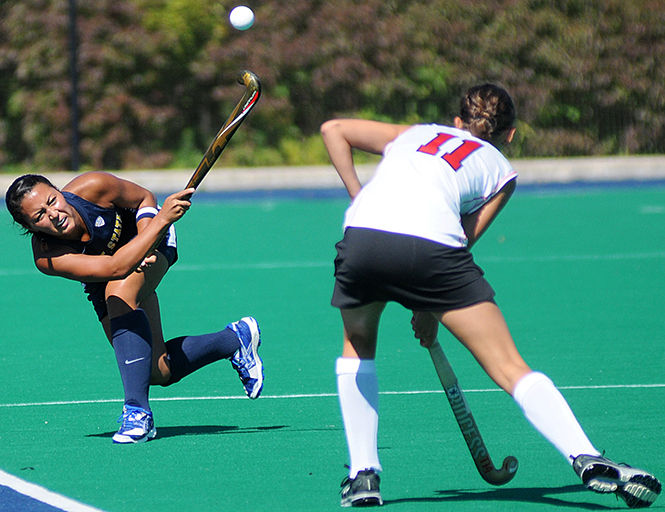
x=346, y=480
x=130, y=418
x=617, y=463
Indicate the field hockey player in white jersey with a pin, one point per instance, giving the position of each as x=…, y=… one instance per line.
x=407, y=236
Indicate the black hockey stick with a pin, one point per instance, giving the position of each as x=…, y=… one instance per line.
x=244, y=106
x=468, y=425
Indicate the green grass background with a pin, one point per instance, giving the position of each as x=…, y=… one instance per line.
x=579, y=274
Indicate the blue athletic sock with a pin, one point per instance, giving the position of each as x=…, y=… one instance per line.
x=189, y=353
x=132, y=343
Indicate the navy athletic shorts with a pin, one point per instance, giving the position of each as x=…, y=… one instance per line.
x=419, y=274
x=96, y=291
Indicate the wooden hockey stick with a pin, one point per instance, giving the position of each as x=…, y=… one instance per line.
x=244, y=106
x=467, y=424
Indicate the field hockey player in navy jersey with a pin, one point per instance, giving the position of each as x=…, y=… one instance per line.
x=109, y=234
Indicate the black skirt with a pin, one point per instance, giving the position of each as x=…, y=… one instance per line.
x=420, y=274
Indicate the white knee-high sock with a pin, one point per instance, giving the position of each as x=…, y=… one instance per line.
x=358, y=389
x=547, y=410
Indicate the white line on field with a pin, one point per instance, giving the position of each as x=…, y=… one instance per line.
x=309, y=395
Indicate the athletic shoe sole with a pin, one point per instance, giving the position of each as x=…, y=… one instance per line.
x=636, y=487
x=257, y=371
x=363, y=499
x=119, y=438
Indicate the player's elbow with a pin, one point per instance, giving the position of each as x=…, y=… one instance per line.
x=45, y=266
x=120, y=273
x=117, y=269
x=329, y=127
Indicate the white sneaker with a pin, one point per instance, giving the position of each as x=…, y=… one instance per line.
x=635, y=486
x=137, y=426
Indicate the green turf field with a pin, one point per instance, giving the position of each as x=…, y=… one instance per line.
x=579, y=274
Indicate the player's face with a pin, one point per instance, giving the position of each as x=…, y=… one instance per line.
x=46, y=211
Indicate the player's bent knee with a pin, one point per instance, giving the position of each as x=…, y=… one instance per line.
x=161, y=372
x=160, y=378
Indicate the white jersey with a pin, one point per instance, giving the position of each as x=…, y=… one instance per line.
x=428, y=178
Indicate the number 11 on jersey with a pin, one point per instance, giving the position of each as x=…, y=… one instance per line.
x=455, y=157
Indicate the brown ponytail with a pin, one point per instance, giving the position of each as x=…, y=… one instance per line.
x=487, y=111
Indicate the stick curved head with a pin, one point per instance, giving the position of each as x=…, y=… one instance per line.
x=503, y=475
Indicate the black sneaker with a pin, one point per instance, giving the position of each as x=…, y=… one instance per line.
x=635, y=486
x=362, y=491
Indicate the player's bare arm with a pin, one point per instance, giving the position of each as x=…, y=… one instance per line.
x=108, y=190
x=59, y=260
x=477, y=223
x=341, y=136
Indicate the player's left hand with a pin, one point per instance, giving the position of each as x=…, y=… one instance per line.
x=425, y=327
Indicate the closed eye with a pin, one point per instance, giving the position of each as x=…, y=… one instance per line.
x=49, y=202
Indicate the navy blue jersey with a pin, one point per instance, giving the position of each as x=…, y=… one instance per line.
x=109, y=229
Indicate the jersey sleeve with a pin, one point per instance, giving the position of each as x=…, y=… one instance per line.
x=486, y=174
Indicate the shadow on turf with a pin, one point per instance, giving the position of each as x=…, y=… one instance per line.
x=539, y=495
x=201, y=430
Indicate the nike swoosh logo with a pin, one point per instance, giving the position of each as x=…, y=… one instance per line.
x=134, y=360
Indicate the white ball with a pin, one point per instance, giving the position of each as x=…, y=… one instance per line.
x=241, y=17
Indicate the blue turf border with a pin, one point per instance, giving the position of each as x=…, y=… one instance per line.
x=14, y=500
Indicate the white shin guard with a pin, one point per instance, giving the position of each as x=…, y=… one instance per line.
x=358, y=389
x=547, y=410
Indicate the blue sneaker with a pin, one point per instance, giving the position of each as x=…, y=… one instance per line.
x=246, y=360
x=137, y=426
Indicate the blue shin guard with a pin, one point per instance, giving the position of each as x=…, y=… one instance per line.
x=132, y=343
x=189, y=353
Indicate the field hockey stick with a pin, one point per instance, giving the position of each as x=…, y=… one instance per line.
x=244, y=106
x=467, y=424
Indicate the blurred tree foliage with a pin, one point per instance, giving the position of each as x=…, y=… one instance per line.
x=157, y=77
